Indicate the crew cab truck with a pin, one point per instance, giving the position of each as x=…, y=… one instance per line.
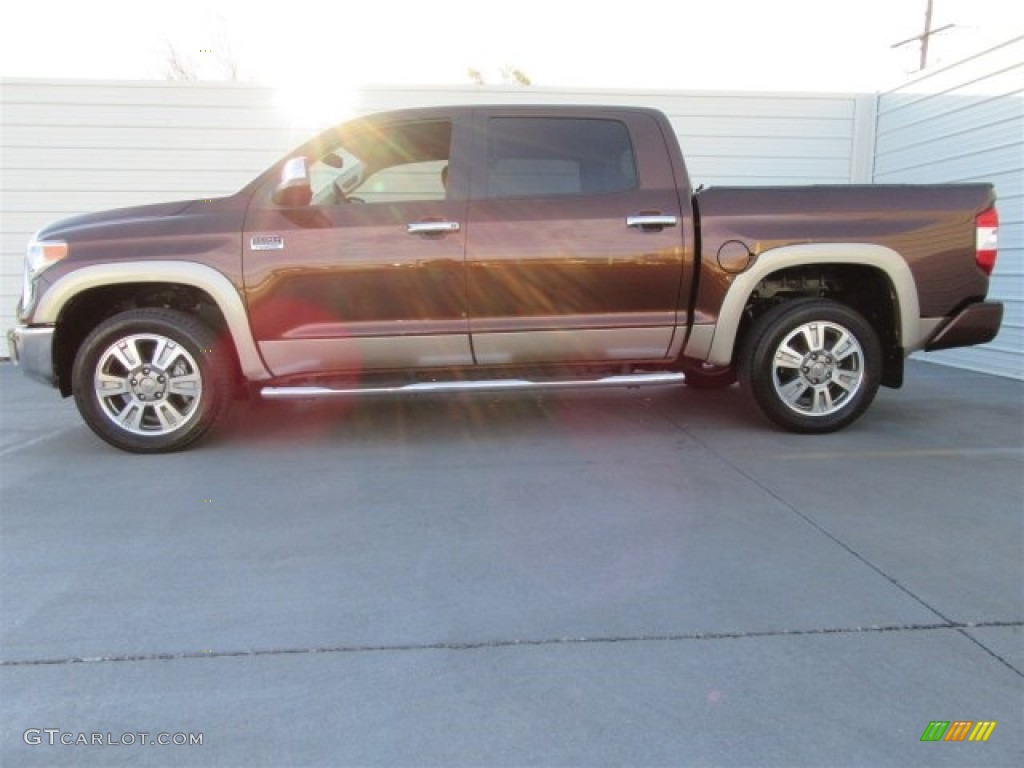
x=495, y=248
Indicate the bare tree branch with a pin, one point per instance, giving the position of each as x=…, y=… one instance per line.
x=225, y=55
x=176, y=67
x=509, y=75
x=218, y=61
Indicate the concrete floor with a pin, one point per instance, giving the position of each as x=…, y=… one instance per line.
x=645, y=578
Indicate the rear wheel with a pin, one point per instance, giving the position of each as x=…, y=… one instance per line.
x=811, y=365
x=152, y=380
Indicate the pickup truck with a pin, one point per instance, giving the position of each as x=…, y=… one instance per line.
x=495, y=248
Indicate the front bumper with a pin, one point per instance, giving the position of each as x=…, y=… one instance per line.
x=976, y=323
x=32, y=350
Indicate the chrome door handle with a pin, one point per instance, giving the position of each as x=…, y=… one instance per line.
x=651, y=220
x=432, y=227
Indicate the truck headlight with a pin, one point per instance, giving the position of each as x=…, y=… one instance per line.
x=40, y=256
x=43, y=254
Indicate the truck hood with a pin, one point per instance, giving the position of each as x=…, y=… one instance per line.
x=106, y=223
x=201, y=231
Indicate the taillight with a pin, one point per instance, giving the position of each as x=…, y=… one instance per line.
x=987, y=224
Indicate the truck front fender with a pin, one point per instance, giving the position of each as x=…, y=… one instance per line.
x=200, y=276
x=717, y=346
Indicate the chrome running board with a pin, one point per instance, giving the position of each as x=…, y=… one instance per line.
x=495, y=385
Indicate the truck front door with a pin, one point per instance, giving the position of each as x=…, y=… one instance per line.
x=370, y=275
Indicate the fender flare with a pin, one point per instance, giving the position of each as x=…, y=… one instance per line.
x=200, y=276
x=717, y=347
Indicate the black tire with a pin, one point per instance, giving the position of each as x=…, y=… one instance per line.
x=706, y=377
x=811, y=365
x=152, y=380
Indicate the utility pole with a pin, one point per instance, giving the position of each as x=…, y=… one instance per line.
x=926, y=36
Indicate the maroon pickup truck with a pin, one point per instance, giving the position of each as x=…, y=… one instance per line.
x=495, y=248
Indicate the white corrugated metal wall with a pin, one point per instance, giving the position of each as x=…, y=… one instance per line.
x=69, y=147
x=966, y=123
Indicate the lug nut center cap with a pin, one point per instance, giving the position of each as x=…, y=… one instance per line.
x=148, y=385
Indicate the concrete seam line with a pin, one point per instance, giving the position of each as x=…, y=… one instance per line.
x=495, y=644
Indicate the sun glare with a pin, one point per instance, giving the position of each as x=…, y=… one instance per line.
x=312, y=103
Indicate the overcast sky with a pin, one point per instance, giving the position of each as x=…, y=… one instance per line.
x=832, y=45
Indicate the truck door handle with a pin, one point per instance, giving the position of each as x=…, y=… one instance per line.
x=651, y=222
x=432, y=227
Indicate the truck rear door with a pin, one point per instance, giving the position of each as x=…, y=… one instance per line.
x=574, y=248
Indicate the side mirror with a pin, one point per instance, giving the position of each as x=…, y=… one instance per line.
x=293, y=190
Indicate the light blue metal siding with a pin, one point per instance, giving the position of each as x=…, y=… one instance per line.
x=966, y=123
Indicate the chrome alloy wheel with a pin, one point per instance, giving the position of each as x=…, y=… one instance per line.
x=147, y=384
x=818, y=368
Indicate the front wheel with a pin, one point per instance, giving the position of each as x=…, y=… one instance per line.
x=151, y=380
x=811, y=366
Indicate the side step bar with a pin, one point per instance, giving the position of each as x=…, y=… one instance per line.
x=495, y=385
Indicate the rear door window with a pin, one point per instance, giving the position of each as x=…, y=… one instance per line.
x=558, y=157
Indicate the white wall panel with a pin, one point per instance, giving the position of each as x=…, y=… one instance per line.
x=70, y=147
x=966, y=123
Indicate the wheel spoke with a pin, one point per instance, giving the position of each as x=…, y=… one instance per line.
x=131, y=417
x=847, y=381
x=787, y=357
x=168, y=416
x=792, y=391
x=165, y=353
x=822, y=400
x=812, y=336
x=844, y=346
x=187, y=385
x=127, y=353
x=108, y=385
